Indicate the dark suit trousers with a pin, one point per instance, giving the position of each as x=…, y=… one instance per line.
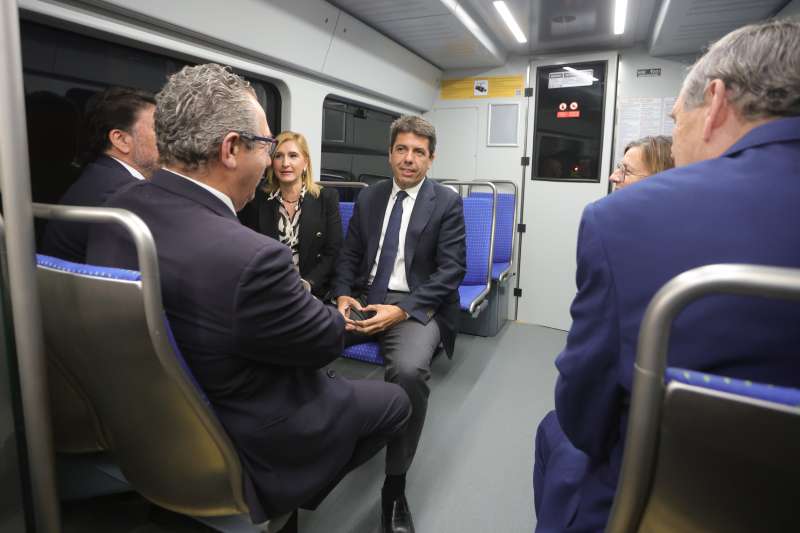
x=384, y=411
x=408, y=348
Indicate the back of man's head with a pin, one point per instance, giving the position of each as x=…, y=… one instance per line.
x=760, y=66
x=116, y=108
x=196, y=109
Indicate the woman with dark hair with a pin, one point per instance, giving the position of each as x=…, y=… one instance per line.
x=293, y=209
x=643, y=157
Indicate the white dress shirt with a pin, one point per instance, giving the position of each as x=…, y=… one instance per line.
x=221, y=195
x=397, y=281
x=135, y=173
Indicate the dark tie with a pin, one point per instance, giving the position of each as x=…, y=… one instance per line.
x=380, y=283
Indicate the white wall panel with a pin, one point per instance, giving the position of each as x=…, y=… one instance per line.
x=456, y=142
x=297, y=36
x=363, y=57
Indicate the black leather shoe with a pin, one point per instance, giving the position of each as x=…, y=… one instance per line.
x=399, y=520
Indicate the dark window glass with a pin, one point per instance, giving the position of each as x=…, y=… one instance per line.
x=355, y=142
x=62, y=70
x=567, y=143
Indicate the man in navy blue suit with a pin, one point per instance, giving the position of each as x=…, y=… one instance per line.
x=732, y=199
x=121, y=148
x=397, y=281
x=254, y=338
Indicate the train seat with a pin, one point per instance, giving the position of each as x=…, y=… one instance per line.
x=503, y=233
x=368, y=352
x=112, y=339
x=719, y=440
x=346, y=213
x=478, y=224
x=706, y=453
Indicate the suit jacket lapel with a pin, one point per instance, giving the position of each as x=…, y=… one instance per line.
x=375, y=220
x=423, y=209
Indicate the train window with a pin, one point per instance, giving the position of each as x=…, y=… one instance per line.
x=355, y=140
x=62, y=70
x=569, y=122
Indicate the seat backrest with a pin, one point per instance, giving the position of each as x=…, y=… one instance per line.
x=346, y=213
x=160, y=428
x=76, y=426
x=478, y=225
x=504, y=225
x=715, y=451
x=707, y=454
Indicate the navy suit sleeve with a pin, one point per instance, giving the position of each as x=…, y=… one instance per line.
x=588, y=397
x=350, y=258
x=321, y=273
x=279, y=322
x=451, y=265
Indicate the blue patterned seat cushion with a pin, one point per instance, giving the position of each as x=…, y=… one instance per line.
x=87, y=270
x=368, y=352
x=468, y=293
x=346, y=213
x=759, y=391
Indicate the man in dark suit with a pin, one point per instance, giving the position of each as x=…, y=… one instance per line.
x=732, y=199
x=254, y=339
x=397, y=280
x=121, y=148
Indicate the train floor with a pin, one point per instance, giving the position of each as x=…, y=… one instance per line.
x=473, y=469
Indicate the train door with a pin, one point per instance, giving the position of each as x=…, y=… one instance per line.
x=569, y=139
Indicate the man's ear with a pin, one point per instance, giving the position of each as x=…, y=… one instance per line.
x=121, y=140
x=229, y=149
x=718, y=110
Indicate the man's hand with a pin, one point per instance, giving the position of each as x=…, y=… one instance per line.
x=385, y=317
x=344, y=304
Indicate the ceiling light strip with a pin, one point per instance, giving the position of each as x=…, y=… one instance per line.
x=508, y=18
x=620, y=14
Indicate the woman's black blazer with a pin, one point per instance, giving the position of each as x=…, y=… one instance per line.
x=320, y=233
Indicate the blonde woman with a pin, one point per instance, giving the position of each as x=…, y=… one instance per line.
x=643, y=157
x=293, y=209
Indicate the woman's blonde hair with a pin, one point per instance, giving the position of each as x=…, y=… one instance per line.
x=656, y=152
x=308, y=175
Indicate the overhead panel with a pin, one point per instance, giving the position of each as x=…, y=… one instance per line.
x=685, y=27
x=429, y=29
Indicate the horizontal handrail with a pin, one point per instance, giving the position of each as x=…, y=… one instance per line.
x=344, y=184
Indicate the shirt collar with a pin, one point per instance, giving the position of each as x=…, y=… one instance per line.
x=135, y=173
x=219, y=194
x=411, y=191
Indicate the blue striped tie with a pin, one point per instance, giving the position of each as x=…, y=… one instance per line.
x=380, y=283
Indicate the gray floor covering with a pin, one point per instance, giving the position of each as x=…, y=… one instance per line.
x=473, y=469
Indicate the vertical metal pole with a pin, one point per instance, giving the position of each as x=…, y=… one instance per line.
x=16, y=191
x=522, y=191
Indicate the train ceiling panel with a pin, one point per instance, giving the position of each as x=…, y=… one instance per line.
x=454, y=34
x=689, y=26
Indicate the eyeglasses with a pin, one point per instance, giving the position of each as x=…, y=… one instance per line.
x=270, y=142
x=624, y=172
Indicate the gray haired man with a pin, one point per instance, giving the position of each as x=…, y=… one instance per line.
x=254, y=338
x=732, y=199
